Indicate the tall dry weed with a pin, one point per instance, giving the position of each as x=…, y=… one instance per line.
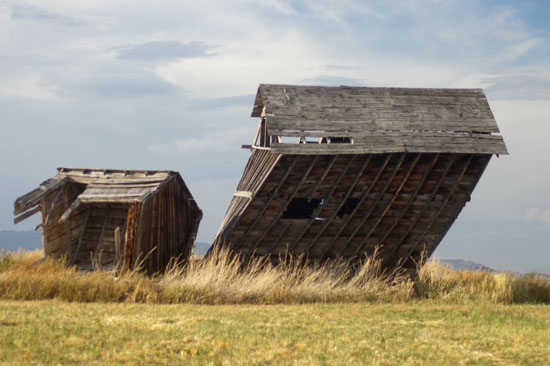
x=222, y=278
x=435, y=281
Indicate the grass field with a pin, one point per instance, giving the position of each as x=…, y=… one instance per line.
x=414, y=333
x=217, y=312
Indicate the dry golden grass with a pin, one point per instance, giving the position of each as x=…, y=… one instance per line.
x=436, y=281
x=221, y=279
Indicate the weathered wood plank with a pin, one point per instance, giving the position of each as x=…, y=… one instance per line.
x=276, y=218
x=372, y=206
x=337, y=208
x=382, y=214
x=27, y=214
x=273, y=194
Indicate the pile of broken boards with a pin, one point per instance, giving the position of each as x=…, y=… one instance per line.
x=334, y=172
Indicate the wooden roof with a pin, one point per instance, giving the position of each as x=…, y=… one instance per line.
x=102, y=185
x=376, y=120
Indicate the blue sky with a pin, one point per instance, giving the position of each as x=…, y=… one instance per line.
x=170, y=85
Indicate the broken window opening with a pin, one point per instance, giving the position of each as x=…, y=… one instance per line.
x=289, y=140
x=301, y=208
x=340, y=140
x=336, y=140
x=309, y=140
x=348, y=207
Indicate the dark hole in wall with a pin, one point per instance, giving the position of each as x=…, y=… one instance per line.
x=348, y=207
x=336, y=140
x=301, y=208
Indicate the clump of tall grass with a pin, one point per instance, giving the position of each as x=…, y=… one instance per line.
x=435, y=281
x=222, y=278
x=29, y=276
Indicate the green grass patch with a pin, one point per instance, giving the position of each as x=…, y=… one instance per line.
x=415, y=333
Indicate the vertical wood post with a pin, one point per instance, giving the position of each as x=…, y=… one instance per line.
x=129, y=238
x=118, y=246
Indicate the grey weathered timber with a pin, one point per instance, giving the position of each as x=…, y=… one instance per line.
x=336, y=172
x=96, y=202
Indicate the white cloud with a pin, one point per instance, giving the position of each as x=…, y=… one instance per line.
x=226, y=140
x=537, y=214
x=28, y=86
x=239, y=67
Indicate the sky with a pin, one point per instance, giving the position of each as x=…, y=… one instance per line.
x=170, y=85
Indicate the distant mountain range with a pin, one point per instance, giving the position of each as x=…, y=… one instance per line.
x=11, y=240
x=201, y=248
x=461, y=264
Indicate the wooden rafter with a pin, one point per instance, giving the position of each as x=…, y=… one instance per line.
x=287, y=201
x=460, y=204
x=409, y=201
x=27, y=214
x=322, y=205
x=427, y=226
x=388, y=254
x=362, y=198
x=262, y=211
x=322, y=179
x=327, y=222
x=373, y=226
x=376, y=200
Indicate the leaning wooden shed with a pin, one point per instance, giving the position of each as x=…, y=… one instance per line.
x=340, y=171
x=99, y=218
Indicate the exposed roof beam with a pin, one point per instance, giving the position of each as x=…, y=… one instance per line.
x=371, y=208
x=262, y=211
x=373, y=227
x=276, y=218
x=321, y=206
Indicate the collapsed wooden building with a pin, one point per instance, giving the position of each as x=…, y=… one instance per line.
x=100, y=218
x=339, y=171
